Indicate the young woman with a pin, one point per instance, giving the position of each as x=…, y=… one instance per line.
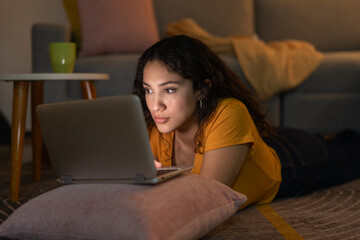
x=199, y=113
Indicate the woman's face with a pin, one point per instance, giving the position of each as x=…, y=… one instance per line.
x=170, y=98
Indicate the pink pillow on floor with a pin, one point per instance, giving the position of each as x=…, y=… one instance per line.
x=186, y=207
x=116, y=26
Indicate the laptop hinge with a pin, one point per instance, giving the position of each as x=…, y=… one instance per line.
x=139, y=178
x=67, y=179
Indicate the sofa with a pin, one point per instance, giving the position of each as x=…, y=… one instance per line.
x=325, y=103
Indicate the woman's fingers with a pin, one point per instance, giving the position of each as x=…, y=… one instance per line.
x=157, y=164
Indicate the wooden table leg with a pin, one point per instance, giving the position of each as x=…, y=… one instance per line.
x=37, y=89
x=88, y=89
x=20, y=97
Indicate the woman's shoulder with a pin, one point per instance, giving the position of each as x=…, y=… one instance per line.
x=231, y=124
x=229, y=111
x=230, y=102
x=230, y=105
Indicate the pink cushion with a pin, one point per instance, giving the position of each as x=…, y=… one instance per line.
x=186, y=207
x=116, y=26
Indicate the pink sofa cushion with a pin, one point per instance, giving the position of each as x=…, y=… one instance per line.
x=116, y=26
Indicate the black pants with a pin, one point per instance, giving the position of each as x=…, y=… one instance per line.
x=308, y=162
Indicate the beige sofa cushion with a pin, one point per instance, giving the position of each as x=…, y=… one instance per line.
x=331, y=25
x=218, y=17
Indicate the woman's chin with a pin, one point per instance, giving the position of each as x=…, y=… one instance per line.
x=164, y=130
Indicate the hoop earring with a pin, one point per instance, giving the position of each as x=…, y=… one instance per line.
x=200, y=103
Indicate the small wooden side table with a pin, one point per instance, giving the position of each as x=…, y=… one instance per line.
x=20, y=98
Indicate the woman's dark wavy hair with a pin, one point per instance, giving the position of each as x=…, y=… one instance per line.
x=191, y=59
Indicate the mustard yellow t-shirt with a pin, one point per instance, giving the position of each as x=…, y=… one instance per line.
x=260, y=176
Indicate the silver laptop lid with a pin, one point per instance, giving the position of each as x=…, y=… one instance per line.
x=104, y=138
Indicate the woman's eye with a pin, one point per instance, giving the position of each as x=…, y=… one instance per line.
x=170, y=90
x=147, y=91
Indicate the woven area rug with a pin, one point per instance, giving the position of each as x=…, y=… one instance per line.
x=331, y=213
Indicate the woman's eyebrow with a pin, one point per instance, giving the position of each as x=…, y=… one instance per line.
x=165, y=83
x=170, y=82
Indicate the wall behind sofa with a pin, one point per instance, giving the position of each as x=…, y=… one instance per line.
x=16, y=19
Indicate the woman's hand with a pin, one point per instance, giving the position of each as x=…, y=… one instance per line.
x=157, y=164
x=224, y=164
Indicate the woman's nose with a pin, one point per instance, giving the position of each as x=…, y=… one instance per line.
x=158, y=104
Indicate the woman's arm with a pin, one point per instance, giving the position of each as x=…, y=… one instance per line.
x=224, y=164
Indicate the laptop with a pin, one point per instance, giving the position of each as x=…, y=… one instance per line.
x=100, y=140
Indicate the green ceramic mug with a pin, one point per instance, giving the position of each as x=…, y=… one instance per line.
x=62, y=56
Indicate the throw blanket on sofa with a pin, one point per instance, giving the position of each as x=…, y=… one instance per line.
x=270, y=68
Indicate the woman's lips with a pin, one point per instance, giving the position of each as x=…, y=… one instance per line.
x=160, y=120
